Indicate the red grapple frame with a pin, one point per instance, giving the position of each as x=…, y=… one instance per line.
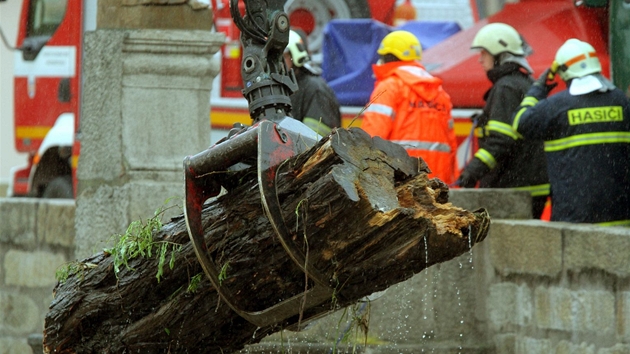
x=272, y=145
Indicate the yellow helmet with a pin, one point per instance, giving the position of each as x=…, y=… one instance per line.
x=402, y=44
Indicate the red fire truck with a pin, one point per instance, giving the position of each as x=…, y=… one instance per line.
x=46, y=96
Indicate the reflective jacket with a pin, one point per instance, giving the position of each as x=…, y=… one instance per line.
x=408, y=106
x=503, y=159
x=587, y=145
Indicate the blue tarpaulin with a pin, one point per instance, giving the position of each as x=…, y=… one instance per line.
x=349, y=50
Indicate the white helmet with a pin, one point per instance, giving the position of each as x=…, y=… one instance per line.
x=497, y=38
x=297, y=48
x=576, y=59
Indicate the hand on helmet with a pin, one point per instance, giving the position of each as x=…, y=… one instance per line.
x=546, y=82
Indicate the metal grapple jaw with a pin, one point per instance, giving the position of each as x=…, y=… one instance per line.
x=271, y=143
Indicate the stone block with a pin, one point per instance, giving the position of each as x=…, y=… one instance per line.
x=623, y=316
x=112, y=14
x=101, y=158
x=552, y=308
x=55, y=222
x=566, y=310
x=406, y=311
x=455, y=300
x=505, y=343
x=566, y=347
x=101, y=213
x=18, y=218
x=528, y=345
x=31, y=269
x=500, y=203
x=618, y=348
x=509, y=304
x=11, y=345
x=154, y=138
x=594, y=311
x=525, y=247
x=166, y=86
x=19, y=314
x=36, y=342
x=147, y=196
x=596, y=247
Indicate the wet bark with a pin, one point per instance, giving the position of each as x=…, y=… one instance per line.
x=362, y=211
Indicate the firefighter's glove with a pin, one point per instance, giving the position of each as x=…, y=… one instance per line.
x=466, y=180
x=474, y=171
x=543, y=85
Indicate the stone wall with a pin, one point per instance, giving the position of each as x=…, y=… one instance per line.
x=530, y=287
x=36, y=238
x=558, y=288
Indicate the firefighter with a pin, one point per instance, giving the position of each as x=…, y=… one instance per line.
x=408, y=106
x=504, y=160
x=586, y=134
x=314, y=103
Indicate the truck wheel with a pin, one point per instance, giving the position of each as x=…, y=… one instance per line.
x=59, y=187
x=313, y=15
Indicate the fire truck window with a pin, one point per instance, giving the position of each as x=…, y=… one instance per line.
x=45, y=16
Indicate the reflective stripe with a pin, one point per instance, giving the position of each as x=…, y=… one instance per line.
x=423, y=145
x=319, y=127
x=416, y=71
x=517, y=119
x=529, y=101
x=615, y=223
x=74, y=161
x=480, y=132
x=579, y=58
x=536, y=191
x=31, y=132
x=502, y=128
x=486, y=157
x=587, y=139
x=381, y=109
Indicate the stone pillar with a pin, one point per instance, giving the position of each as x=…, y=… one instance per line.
x=145, y=106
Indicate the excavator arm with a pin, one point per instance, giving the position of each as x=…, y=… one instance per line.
x=264, y=35
x=273, y=138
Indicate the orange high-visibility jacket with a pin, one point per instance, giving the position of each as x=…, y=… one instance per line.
x=408, y=106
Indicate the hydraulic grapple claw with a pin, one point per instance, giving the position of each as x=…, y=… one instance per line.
x=272, y=144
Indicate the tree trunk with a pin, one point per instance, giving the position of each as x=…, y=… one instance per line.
x=363, y=212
